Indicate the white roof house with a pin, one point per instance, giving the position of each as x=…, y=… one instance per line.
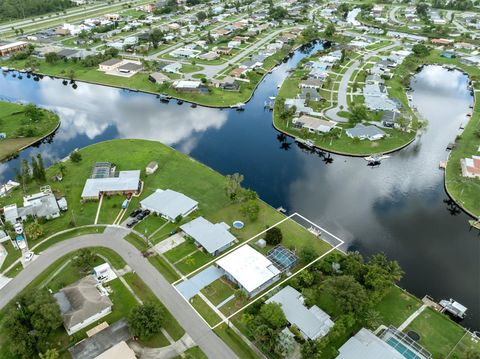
x=250, y=269
x=362, y=132
x=213, y=237
x=127, y=181
x=169, y=204
x=313, y=323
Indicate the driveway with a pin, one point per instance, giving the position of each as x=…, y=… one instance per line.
x=190, y=287
x=112, y=238
x=169, y=243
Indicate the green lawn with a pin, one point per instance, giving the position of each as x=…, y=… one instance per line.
x=68, y=235
x=438, y=334
x=137, y=241
x=21, y=130
x=164, y=268
x=235, y=342
x=146, y=295
x=188, y=68
x=192, y=262
x=397, y=306
x=180, y=251
x=204, y=310
x=218, y=291
x=12, y=255
x=193, y=353
x=150, y=224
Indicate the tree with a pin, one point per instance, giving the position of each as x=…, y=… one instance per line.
x=312, y=349
x=32, y=112
x=422, y=9
x=155, y=36
x=307, y=254
x=284, y=344
x=33, y=231
x=329, y=30
x=51, y=57
x=146, y=320
x=201, y=16
x=421, y=50
x=84, y=260
x=250, y=209
x=380, y=275
x=353, y=264
x=49, y=354
x=278, y=12
x=309, y=34
x=75, y=157
x=233, y=185
x=372, y=318
x=29, y=321
x=265, y=336
x=358, y=114
x=274, y=236
x=272, y=314
x=350, y=295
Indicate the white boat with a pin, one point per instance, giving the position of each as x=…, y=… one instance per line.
x=8, y=187
x=376, y=158
x=5, y=69
x=306, y=143
x=454, y=308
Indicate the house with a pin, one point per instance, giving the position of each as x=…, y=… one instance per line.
x=130, y=68
x=173, y=67
x=239, y=71
x=363, y=132
x=391, y=344
x=249, y=269
x=104, y=343
x=441, y=41
x=169, y=204
x=251, y=64
x=312, y=322
x=233, y=44
x=311, y=83
x=470, y=167
x=189, y=86
x=38, y=205
x=223, y=50
x=448, y=54
x=309, y=94
x=185, y=52
x=83, y=303
x=151, y=168
x=313, y=124
x=390, y=119
x=109, y=65
x=106, y=181
x=214, y=238
x=13, y=47
x=158, y=78
x=209, y=56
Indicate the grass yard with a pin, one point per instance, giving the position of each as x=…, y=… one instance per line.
x=21, y=130
x=438, y=334
x=235, y=342
x=68, y=235
x=146, y=295
x=218, y=291
x=181, y=251
x=150, y=224
x=397, y=306
x=137, y=241
x=192, y=262
x=204, y=310
x=188, y=68
x=193, y=353
x=164, y=268
x=12, y=255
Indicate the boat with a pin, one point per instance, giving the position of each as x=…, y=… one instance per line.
x=270, y=103
x=306, y=143
x=376, y=158
x=238, y=105
x=8, y=187
x=5, y=69
x=179, y=102
x=193, y=105
x=163, y=98
x=453, y=307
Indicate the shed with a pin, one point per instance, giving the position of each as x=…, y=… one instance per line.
x=151, y=168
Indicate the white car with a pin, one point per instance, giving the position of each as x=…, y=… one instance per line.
x=28, y=256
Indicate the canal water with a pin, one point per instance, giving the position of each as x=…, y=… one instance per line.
x=399, y=208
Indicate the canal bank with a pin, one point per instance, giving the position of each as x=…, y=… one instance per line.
x=368, y=207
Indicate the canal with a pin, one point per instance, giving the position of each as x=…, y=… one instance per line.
x=399, y=208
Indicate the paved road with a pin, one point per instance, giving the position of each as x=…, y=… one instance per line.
x=112, y=238
x=393, y=15
x=342, y=104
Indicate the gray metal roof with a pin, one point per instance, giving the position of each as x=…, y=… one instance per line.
x=210, y=236
x=126, y=181
x=105, y=339
x=169, y=203
x=362, y=131
x=367, y=345
x=313, y=323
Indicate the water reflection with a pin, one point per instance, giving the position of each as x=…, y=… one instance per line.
x=397, y=208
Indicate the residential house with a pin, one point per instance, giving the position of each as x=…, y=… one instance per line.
x=470, y=167
x=169, y=204
x=173, y=67
x=369, y=132
x=313, y=124
x=309, y=94
x=185, y=53
x=189, y=86
x=83, y=303
x=214, y=238
x=109, y=65
x=312, y=322
x=311, y=83
x=13, y=47
x=158, y=78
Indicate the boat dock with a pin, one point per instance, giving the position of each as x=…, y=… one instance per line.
x=475, y=223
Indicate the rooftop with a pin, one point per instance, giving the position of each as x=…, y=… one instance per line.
x=212, y=237
x=169, y=203
x=250, y=268
x=126, y=181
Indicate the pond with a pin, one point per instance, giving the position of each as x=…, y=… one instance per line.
x=399, y=208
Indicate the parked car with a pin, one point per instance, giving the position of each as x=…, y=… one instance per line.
x=132, y=223
x=147, y=212
x=28, y=256
x=135, y=213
